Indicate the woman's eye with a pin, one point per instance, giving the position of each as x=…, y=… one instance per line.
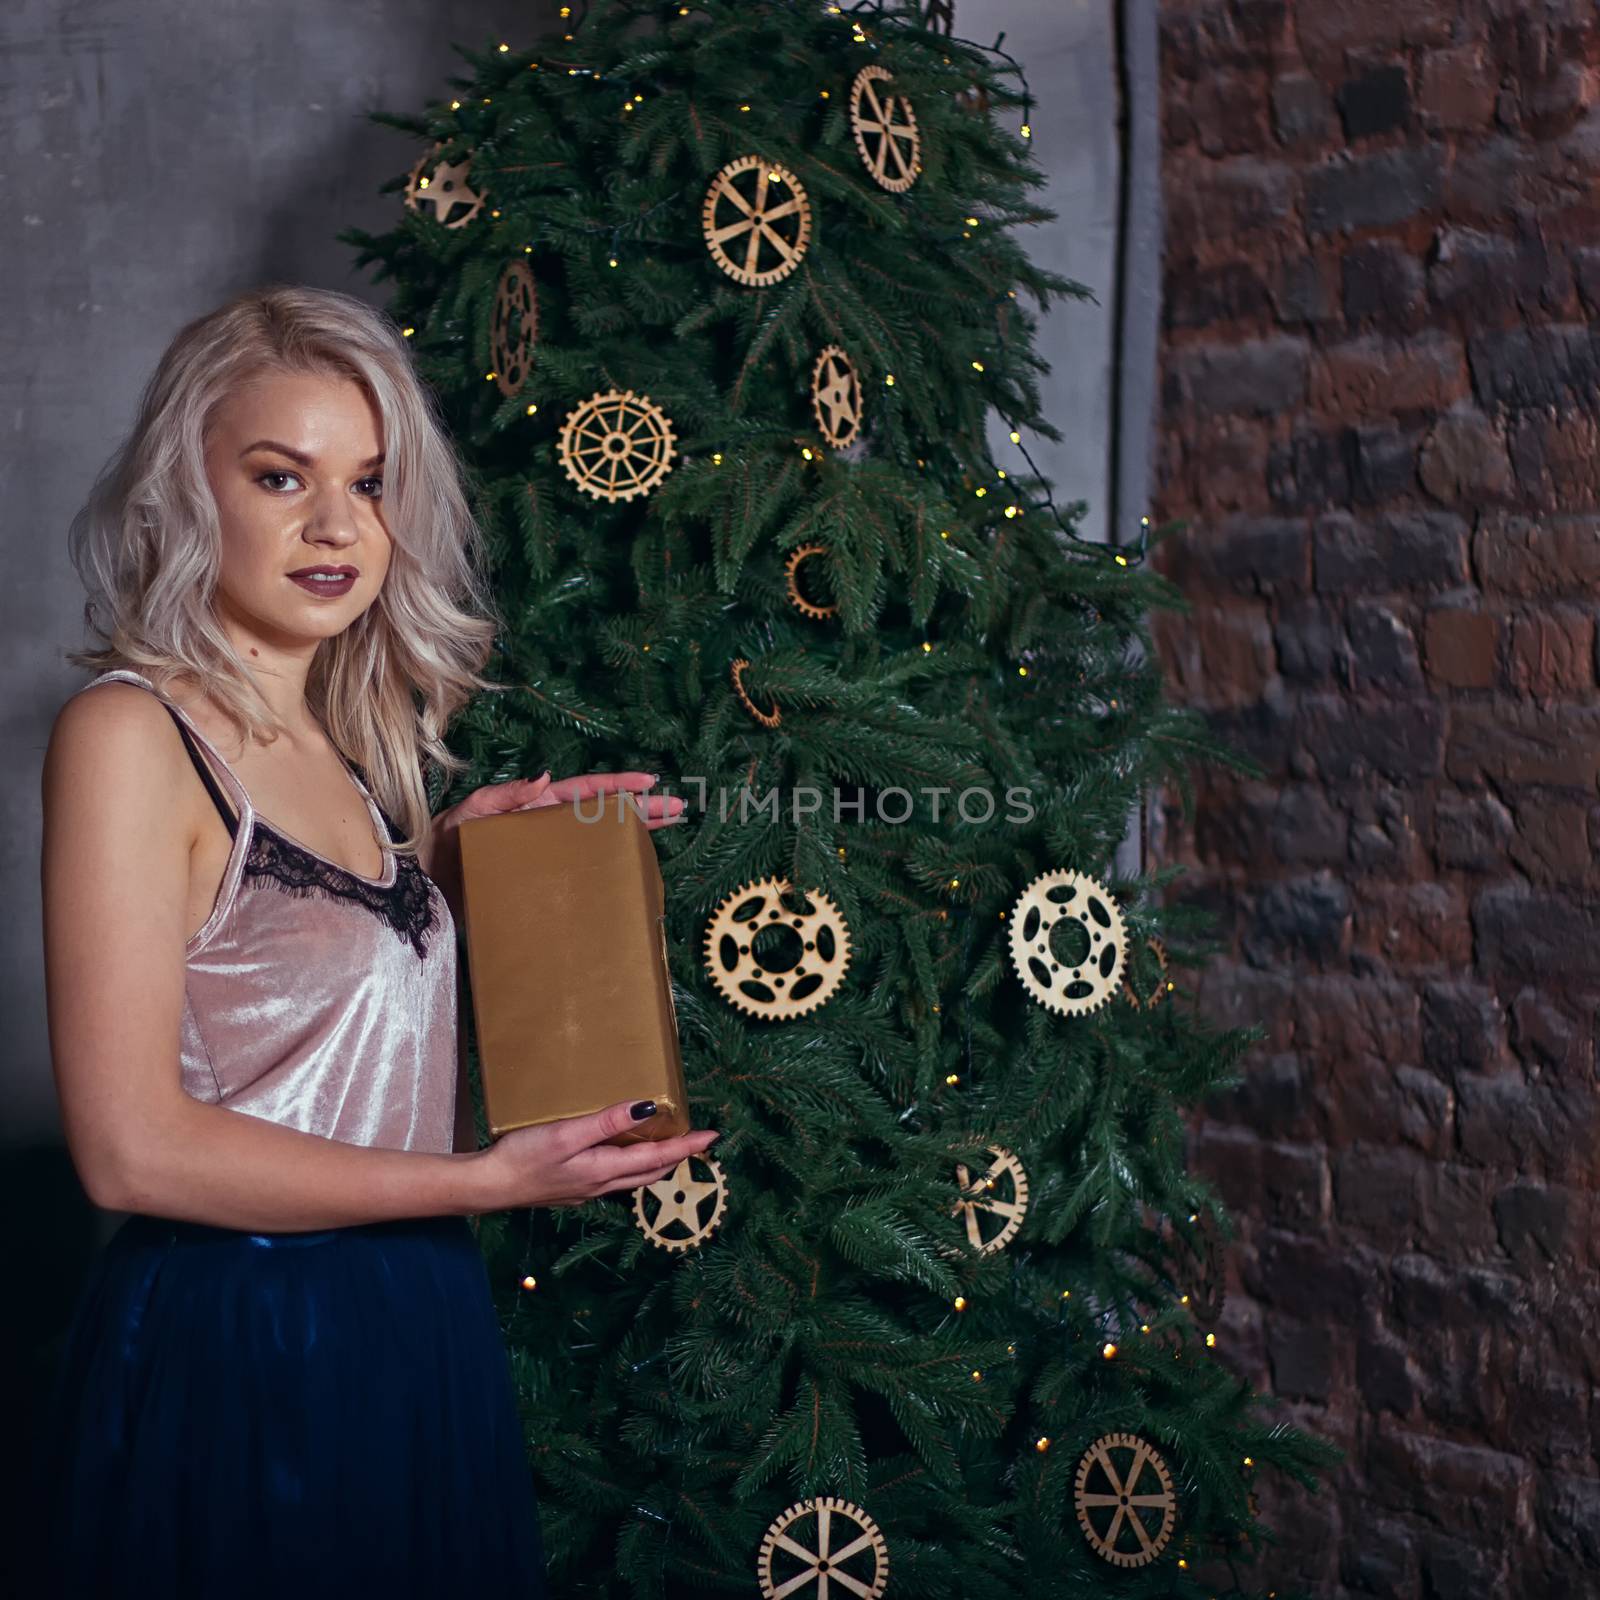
x=278, y=473
x=378, y=491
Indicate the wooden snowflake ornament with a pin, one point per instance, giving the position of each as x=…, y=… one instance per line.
x=442, y=187
x=1068, y=942
x=516, y=321
x=885, y=129
x=995, y=1204
x=616, y=445
x=772, y=961
x=1125, y=1500
x=836, y=397
x=682, y=1211
x=805, y=607
x=823, y=1549
x=754, y=203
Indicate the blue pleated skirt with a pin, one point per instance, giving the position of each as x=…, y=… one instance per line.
x=294, y=1415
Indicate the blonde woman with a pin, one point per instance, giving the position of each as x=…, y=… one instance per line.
x=285, y=1376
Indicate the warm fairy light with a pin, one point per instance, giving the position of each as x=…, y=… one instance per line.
x=1011, y=1349
x=1248, y=1462
x=888, y=378
x=1011, y=511
x=1022, y=672
x=1109, y=1350
x=494, y=213
x=972, y=222
x=977, y=1377
x=1066, y=1294
x=1194, y=1216
x=926, y=647
x=1183, y=1299
x=960, y=1302
x=489, y=376
x=1027, y=132
x=530, y=1282
x=745, y=107
x=955, y=883
x=952, y=1079
x=776, y=177
x=1122, y=561
x=527, y=249
x=977, y=366
x=1000, y=471
x=1144, y=1327
x=455, y=105
x=611, y=261
x=487, y=101
x=566, y=11
x=805, y=450
x=534, y=407
x=1041, y=1444
x=1016, y=438
x=1183, y=1566
x=981, y=493
x=716, y=458
x=504, y=48
x=1211, y=1339
x=405, y=333
x=944, y=533
x=423, y=184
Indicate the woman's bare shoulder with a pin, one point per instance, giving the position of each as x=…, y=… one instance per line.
x=116, y=742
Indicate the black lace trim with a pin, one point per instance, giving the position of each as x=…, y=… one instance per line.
x=407, y=905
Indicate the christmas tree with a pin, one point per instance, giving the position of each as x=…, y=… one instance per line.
x=719, y=301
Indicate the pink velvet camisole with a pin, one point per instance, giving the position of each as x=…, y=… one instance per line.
x=315, y=996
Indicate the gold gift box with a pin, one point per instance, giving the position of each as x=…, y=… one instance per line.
x=567, y=962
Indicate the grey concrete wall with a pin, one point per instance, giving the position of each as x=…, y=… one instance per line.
x=159, y=157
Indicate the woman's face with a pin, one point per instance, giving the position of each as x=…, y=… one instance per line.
x=295, y=462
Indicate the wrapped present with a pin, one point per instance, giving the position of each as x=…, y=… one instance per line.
x=567, y=964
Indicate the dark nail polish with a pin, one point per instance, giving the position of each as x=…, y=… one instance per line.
x=643, y=1109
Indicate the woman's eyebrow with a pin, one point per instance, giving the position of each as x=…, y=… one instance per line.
x=300, y=456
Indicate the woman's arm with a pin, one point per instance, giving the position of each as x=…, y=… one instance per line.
x=118, y=827
x=120, y=819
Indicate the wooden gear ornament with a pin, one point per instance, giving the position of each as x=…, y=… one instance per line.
x=836, y=397
x=516, y=323
x=1070, y=984
x=807, y=1563
x=1159, y=950
x=683, y=1211
x=736, y=224
x=977, y=1200
x=1116, y=1506
x=767, y=719
x=805, y=607
x=616, y=445
x=443, y=188
x=817, y=941
x=890, y=148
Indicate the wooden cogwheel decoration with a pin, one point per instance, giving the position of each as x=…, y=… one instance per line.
x=767, y=719
x=443, y=187
x=805, y=607
x=616, y=445
x=1158, y=992
x=682, y=1211
x=886, y=129
x=772, y=961
x=516, y=322
x=751, y=203
x=836, y=397
x=1054, y=912
x=979, y=1201
x=844, y=1547
x=1127, y=1511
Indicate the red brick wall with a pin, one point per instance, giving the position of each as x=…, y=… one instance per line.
x=1380, y=412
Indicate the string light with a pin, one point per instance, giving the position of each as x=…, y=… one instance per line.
x=533, y=408
x=504, y=48
x=888, y=379
x=530, y=1282
x=952, y=1079
x=1109, y=1350
x=1211, y=1340
x=1041, y=1444
x=960, y=1302
x=977, y=1377
x=405, y=333
x=926, y=647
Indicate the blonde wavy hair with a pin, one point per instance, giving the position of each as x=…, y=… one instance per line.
x=147, y=545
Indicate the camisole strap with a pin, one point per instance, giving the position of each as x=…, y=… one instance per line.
x=230, y=783
x=230, y=822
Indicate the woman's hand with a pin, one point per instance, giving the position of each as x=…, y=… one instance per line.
x=441, y=859
x=566, y=1162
